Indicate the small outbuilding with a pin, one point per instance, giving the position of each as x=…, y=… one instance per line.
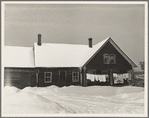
x=47, y=64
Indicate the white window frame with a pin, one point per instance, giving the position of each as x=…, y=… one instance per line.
x=109, y=58
x=76, y=77
x=49, y=77
x=113, y=55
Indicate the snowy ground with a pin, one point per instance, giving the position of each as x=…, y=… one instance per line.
x=73, y=100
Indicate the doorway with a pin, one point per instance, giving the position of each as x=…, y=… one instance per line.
x=62, y=78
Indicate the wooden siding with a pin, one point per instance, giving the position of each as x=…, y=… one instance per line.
x=20, y=77
x=121, y=65
x=56, y=80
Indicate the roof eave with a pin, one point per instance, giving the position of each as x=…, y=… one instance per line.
x=83, y=65
x=123, y=54
x=118, y=49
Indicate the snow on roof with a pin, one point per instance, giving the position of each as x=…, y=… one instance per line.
x=59, y=55
x=94, y=50
x=18, y=56
x=55, y=55
x=63, y=55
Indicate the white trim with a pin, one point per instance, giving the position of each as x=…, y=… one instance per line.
x=84, y=63
x=108, y=58
x=116, y=47
x=49, y=77
x=113, y=59
x=122, y=53
x=75, y=76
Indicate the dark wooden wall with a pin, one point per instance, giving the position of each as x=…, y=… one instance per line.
x=20, y=77
x=97, y=62
x=56, y=76
x=23, y=77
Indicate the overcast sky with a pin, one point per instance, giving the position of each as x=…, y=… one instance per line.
x=75, y=23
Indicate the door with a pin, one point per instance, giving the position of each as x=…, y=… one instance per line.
x=110, y=74
x=62, y=78
x=40, y=81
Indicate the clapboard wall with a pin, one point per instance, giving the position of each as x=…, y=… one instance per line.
x=20, y=77
x=23, y=77
x=56, y=77
x=97, y=62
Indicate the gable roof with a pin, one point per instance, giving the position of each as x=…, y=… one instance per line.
x=18, y=56
x=122, y=53
x=68, y=55
x=60, y=55
x=100, y=46
x=56, y=55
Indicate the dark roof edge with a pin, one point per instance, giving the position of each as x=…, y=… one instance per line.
x=95, y=53
x=122, y=53
x=117, y=48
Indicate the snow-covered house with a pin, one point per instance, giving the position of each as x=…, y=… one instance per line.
x=46, y=64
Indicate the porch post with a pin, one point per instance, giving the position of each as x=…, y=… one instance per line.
x=84, y=76
x=110, y=73
x=80, y=76
x=37, y=77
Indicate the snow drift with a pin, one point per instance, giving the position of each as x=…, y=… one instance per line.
x=73, y=100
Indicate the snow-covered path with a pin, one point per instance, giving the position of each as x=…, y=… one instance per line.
x=74, y=100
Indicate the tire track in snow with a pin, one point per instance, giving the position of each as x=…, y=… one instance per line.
x=90, y=105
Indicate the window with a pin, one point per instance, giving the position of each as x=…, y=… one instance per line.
x=112, y=59
x=75, y=76
x=109, y=58
x=47, y=77
x=106, y=59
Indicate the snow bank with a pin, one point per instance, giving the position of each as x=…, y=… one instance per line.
x=74, y=100
x=50, y=90
x=29, y=103
x=98, y=90
x=9, y=90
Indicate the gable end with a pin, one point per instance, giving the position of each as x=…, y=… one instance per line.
x=116, y=47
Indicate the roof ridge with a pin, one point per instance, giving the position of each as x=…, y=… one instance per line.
x=63, y=44
x=103, y=40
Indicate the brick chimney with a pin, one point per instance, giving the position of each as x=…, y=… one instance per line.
x=90, y=42
x=39, y=39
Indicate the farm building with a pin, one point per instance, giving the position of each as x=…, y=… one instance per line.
x=137, y=78
x=47, y=64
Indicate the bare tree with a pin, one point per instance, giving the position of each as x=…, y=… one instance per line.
x=141, y=63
